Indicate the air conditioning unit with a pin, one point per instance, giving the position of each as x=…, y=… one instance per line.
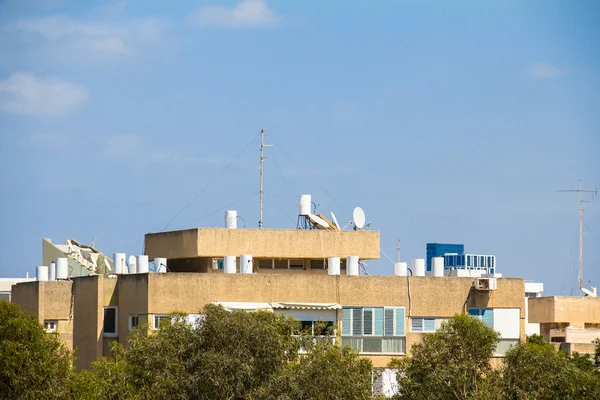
x=485, y=284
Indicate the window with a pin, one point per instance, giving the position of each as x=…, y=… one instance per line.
x=280, y=263
x=50, y=326
x=134, y=321
x=374, y=329
x=296, y=264
x=110, y=322
x=159, y=318
x=265, y=263
x=422, y=324
x=484, y=314
x=503, y=346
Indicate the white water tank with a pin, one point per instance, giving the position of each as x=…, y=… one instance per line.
x=132, y=266
x=400, y=269
x=42, y=273
x=52, y=271
x=160, y=265
x=437, y=266
x=231, y=219
x=305, y=204
x=352, y=265
x=246, y=264
x=119, y=264
x=418, y=267
x=333, y=266
x=229, y=264
x=142, y=264
x=62, y=268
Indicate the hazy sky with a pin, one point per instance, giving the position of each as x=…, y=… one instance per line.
x=446, y=121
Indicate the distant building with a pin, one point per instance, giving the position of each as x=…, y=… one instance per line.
x=571, y=323
x=6, y=285
x=441, y=249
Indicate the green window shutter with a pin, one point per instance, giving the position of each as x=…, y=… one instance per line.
x=357, y=321
x=488, y=318
x=389, y=321
x=367, y=321
x=378, y=321
x=346, y=321
x=399, y=321
x=429, y=324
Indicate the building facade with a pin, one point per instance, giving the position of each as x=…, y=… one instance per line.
x=380, y=316
x=572, y=323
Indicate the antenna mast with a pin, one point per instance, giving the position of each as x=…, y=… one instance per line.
x=262, y=161
x=581, y=191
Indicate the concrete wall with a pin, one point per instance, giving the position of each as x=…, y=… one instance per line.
x=268, y=243
x=575, y=311
x=147, y=294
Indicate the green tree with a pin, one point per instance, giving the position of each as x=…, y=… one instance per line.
x=233, y=353
x=326, y=372
x=451, y=363
x=538, y=371
x=33, y=364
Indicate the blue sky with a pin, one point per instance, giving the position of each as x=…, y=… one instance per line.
x=446, y=121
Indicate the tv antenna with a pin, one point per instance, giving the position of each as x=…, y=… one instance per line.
x=581, y=191
x=262, y=161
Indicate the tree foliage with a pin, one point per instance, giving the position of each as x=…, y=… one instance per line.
x=33, y=364
x=451, y=363
x=227, y=355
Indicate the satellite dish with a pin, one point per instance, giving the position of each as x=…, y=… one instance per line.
x=318, y=221
x=335, y=221
x=359, y=218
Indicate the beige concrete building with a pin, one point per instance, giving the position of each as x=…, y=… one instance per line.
x=381, y=316
x=572, y=322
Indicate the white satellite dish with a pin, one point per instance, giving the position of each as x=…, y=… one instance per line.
x=359, y=218
x=318, y=221
x=335, y=221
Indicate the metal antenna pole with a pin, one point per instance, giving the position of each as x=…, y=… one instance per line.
x=398, y=250
x=581, y=232
x=262, y=161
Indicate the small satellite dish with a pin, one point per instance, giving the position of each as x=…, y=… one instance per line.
x=318, y=221
x=359, y=218
x=335, y=221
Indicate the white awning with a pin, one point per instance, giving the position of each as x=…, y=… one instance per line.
x=241, y=305
x=307, y=306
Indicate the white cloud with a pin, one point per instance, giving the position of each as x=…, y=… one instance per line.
x=24, y=93
x=245, y=14
x=91, y=40
x=545, y=71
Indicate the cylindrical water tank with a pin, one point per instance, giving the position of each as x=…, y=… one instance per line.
x=333, y=266
x=231, y=219
x=305, y=204
x=52, y=271
x=229, y=264
x=400, y=269
x=160, y=265
x=62, y=268
x=437, y=266
x=418, y=267
x=142, y=264
x=246, y=264
x=352, y=265
x=119, y=265
x=42, y=273
x=131, y=265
